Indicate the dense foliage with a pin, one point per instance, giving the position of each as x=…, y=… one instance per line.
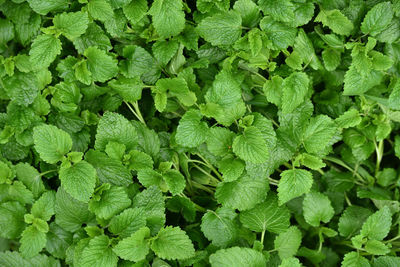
x=197, y=133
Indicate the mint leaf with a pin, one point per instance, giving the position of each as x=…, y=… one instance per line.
x=242, y=194
x=266, y=216
x=72, y=25
x=101, y=66
x=44, y=50
x=79, y=180
x=127, y=222
x=377, y=225
x=336, y=21
x=51, y=143
x=287, y=243
x=219, y=227
x=167, y=10
x=294, y=88
x=221, y=29
x=191, y=131
x=251, y=146
x=98, y=251
x=317, y=208
x=237, y=256
x=377, y=19
x=172, y=243
x=134, y=248
x=32, y=241
x=115, y=127
x=293, y=183
x=70, y=213
x=111, y=202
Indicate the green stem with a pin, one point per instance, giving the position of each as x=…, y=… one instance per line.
x=379, y=155
x=344, y=165
x=139, y=114
x=262, y=236
x=215, y=180
x=46, y=172
x=321, y=240
x=209, y=165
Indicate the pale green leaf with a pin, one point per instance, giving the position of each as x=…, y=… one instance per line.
x=293, y=183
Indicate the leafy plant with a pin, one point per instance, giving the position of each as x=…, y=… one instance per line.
x=199, y=133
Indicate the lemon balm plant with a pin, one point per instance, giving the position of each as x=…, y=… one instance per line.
x=199, y=133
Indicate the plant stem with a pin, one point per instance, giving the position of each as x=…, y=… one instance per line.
x=379, y=155
x=46, y=172
x=262, y=236
x=139, y=114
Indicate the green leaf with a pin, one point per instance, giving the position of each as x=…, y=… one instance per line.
x=219, y=141
x=376, y=247
x=294, y=89
x=165, y=50
x=352, y=220
x=43, y=208
x=279, y=33
x=220, y=227
x=293, y=183
x=127, y=222
x=51, y=143
x=109, y=170
x=191, y=131
x=266, y=216
x=249, y=12
x=243, y=193
x=115, y=127
x=349, y=119
x=111, y=202
x=221, y=29
x=102, y=66
x=135, y=10
x=290, y=262
x=11, y=219
x=169, y=11
x=318, y=134
x=72, y=24
x=231, y=168
x=172, y=243
x=98, y=253
x=279, y=10
x=288, y=242
x=175, y=181
x=224, y=99
x=237, y=256
x=377, y=19
x=377, y=226
x=44, y=7
x=251, y=146
x=332, y=59
x=353, y=259
x=100, y=10
x=22, y=88
x=94, y=36
x=357, y=84
x=44, y=50
x=177, y=87
x=32, y=242
x=30, y=177
x=151, y=201
x=70, y=213
x=79, y=180
x=317, y=208
x=336, y=21
x=134, y=248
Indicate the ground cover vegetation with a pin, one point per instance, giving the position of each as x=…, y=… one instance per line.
x=199, y=133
